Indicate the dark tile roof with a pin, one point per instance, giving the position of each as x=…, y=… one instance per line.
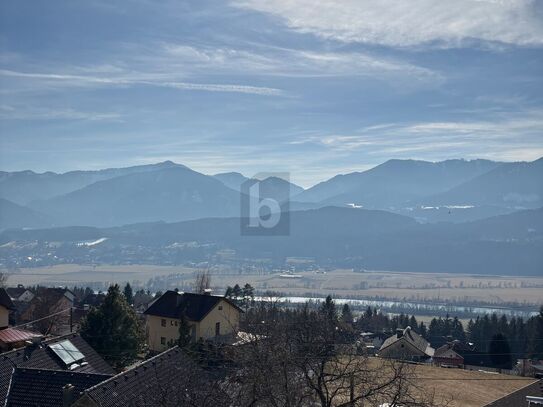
x=162, y=380
x=196, y=306
x=41, y=357
x=518, y=398
x=41, y=387
x=413, y=338
x=446, y=351
x=5, y=300
x=15, y=292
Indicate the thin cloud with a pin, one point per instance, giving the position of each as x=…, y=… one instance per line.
x=400, y=23
x=142, y=79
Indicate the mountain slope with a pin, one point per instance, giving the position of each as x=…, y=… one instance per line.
x=395, y=182
x=511, y=185
x=232, y=180
x=23, y=187
x=170, y=194
x=13, y=215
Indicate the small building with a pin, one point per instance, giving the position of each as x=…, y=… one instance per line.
x=12, y=338
x=209, y=317
x=406, y=345
x=49, y=301
x=20, y=293
x=6, y=305
x=446, y=356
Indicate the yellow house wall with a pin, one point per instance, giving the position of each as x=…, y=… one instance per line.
x=205, y=329
x=228, y=318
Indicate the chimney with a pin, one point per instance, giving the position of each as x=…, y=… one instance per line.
x=67, y=395
x=399, y=333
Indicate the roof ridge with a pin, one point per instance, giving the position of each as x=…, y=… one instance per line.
x=54, y=371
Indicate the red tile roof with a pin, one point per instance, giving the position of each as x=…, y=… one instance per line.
x=11, y=335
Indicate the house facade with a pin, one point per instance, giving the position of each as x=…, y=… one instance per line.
x=209, y=317
x=406, y=345
x=447, y=356
x=6, y=305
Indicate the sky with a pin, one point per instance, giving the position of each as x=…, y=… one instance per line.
x=312, y=88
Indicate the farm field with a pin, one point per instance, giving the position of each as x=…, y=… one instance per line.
x=340, y=283
x=468, y=388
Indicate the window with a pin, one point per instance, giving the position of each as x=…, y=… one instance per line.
x=217, y=329
x=220, y=307
x=163, y=322
x=162, y=340
x=171, y=322
x=67, y=352
x=176, y=323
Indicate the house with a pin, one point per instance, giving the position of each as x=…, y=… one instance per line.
x=20, y=293
x=446, y=356
x=209, y=317
x=529, y=396
x=169, y=379
x=45, y=367
x=406, y=345
x=46, y=302
x=6, y=305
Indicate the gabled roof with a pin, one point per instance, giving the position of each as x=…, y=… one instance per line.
x=413, y=338
x=162, y=380
x=195, y=306
x=5, y=300
x=44, y=388
x=42, y=357
x=518, y=398
x=447, y=351
x=15, y=292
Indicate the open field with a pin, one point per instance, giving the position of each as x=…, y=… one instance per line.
x=468, y=388
x=341, y=283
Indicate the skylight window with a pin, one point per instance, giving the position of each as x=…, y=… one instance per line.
x=67, y=352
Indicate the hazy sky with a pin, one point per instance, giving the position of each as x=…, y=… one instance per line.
x=310, y=87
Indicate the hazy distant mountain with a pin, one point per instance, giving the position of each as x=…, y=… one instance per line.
x=13, y=215
x=395, y=182
x=273, y=187
x=232, y=180
x=23, y=187
x=170, y=194
x=510, y=244
x=511, y=185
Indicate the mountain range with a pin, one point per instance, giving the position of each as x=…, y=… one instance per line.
x=452, y=190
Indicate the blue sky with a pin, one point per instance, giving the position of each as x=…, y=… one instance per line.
x=313, y=88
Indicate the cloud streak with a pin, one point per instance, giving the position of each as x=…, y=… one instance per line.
x=400, y=23
x=141, y=79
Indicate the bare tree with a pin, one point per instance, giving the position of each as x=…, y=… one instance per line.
x=202, y=281
x=303, y=357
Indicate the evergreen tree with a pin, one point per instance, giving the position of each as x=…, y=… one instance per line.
x=500, y=352
x=184, y=331
x=346, y=314
x=128, y=294
x=328, y=309
x=113, y=329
